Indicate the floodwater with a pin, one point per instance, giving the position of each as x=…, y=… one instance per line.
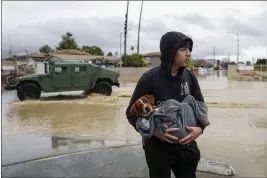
x=237, y=134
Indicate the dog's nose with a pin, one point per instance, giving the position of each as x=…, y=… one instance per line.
x=147, y=109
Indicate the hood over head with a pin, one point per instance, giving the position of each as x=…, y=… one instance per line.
x=169, y=44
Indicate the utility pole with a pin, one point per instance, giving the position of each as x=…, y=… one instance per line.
x=120, y=49
x=214, y=52
x=10, y=48
x=138, y=42
x=237, y=47
x=237, y=55
x=125, y=33
x=214, y=60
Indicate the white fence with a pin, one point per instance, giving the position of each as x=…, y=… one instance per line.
x=255, y=72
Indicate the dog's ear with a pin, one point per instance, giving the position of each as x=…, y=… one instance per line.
x=133, y=110
x=151, y=98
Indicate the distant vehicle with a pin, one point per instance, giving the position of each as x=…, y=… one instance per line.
x=202, y=70
x=210, y=69
x=58, y=76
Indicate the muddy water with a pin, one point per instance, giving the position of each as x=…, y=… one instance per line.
x=237, y=135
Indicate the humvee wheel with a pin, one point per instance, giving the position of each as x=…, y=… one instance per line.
x=87, y=92
x=29, y=91
x=103, y=88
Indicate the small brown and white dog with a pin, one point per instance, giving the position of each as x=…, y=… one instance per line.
x=144, y=106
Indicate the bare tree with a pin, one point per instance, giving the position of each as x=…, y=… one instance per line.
x=24, y=48
x=27, y=56
x=15, y=62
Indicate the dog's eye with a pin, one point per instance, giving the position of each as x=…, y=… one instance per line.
x=138, y=104
x=146, y=100
x=139, y=110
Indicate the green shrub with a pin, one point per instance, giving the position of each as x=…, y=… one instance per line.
x=133, y=60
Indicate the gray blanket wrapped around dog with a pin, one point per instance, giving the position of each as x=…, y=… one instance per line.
x=189, y=112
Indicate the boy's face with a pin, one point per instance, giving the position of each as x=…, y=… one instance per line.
x=182, y=56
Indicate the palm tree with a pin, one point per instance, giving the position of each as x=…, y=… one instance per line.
x=125, y=33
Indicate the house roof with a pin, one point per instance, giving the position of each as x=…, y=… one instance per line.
x=67, y=54
x=208, y=61
x=7, y=63
x=71, y=52
x=23, y=57
x=152, y=54
x=37, y=55
x=85, y=57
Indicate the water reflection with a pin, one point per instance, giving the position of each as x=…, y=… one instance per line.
x=74, y=143
x=212, y=80
x=36, y=146
x=97, y=120
x=212, y=75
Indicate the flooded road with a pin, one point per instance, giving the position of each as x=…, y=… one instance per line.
x=237, y=134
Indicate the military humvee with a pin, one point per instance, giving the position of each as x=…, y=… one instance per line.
x=61, y=76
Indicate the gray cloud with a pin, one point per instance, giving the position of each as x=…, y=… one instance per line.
x=153, y=28
x=251, y=29
x=190, y=19
x=196, y=19
x=251, y=26
x=105, y=32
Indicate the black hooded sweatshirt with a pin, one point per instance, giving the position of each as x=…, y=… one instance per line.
x=159, y=82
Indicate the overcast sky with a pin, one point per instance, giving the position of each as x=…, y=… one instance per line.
x=99, y=23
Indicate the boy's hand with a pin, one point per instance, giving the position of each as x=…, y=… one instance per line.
x=166, y=136
x=195, y=132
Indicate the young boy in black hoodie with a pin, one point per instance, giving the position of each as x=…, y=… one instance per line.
x=170, y=80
